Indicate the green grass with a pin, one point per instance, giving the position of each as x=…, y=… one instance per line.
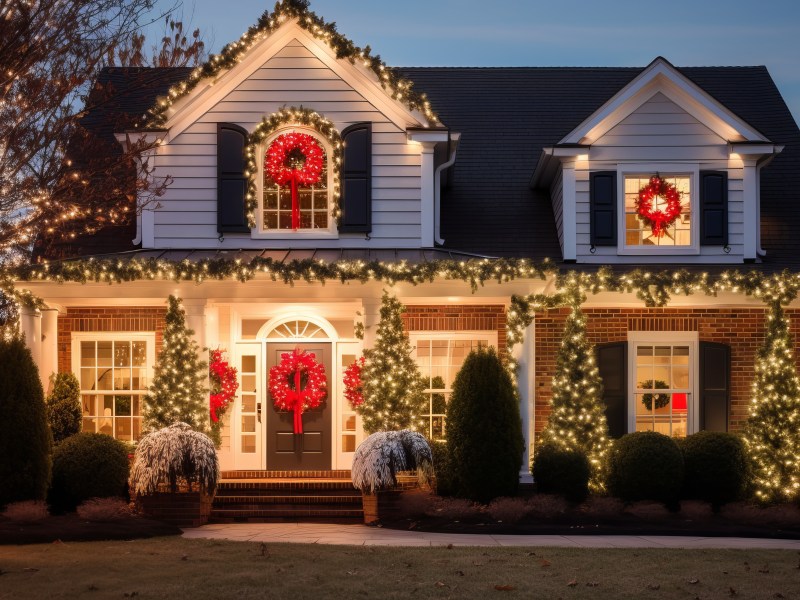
x=194, y=569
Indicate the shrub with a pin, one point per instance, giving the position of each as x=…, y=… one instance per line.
x=88, y=465
x=716, y=467
x=174, y=457
x=382, y=455
x=484, y=431
x=561, y=471
x=646, y=466
x=28, y=511
x=25, y=440
x=508, y=510
x=64, y=407
x=547, y=505
x=104, y=509
x=457, y=509
x=441, y=468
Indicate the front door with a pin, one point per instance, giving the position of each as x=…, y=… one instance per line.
x=310, y=450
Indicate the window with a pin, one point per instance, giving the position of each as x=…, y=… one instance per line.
x=440, y=356
x=114, y=371
x=313, y=200
x=638, y=232
x=664, y=398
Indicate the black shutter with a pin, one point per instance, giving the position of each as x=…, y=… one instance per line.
x=603, y=208
x=715, y=376
x=612, y=362
x=231, y=179
x=356, y=192
x=714, y=208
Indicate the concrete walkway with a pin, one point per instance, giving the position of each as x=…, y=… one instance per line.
x=361, y=535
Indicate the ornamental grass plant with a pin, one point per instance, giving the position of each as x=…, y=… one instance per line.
x=380, y=457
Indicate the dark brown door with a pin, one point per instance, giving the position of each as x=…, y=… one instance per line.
x=310, y=450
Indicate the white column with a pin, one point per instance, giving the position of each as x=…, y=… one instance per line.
x=525, y=355
x=568, y=211
x=196, y=320
x=427, y=195
x=212, y=328
x=48, y=360
x=31, y=328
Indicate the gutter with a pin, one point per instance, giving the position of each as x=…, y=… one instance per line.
x=452, y=144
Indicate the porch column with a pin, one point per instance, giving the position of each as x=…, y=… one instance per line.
x=525, y=355
x=196, y=320
x=372, y=316
x=31, y=328
x=48, y=360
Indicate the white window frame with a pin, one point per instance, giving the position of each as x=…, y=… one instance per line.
x=490, y=336
x=692, y=170
x=262, y=234
x=653, y=338
x=113, y=336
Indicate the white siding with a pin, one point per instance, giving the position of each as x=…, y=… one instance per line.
x=293, y=77
x=660, y=131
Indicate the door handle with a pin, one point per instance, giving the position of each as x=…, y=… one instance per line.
x=258, y=411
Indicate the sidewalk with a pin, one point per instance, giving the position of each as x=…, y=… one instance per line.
x=361, y=535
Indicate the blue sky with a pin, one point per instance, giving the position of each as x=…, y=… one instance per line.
x=536, y=33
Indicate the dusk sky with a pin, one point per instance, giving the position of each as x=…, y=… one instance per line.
x=534, y=33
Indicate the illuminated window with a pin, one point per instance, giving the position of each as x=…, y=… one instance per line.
x=313, y=200
x=114, y=371
x=440, y=357
x=639, y=233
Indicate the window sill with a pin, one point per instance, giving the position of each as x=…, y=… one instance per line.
x=288, y=234
x=660, y=251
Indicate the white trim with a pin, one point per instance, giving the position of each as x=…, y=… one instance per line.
x=427, y=194
x=259, y=233
x=664, y=169
x=569, y=223
x=690, y=338
x=661, y=76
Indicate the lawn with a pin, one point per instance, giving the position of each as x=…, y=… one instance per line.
x=178, y=568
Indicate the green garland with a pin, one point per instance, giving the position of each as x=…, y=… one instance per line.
x=288, y=116
x=395, y=86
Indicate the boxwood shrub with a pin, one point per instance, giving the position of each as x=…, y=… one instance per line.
x=88, y=465
x=561, y=471
x=646, y=466
x=716, y=467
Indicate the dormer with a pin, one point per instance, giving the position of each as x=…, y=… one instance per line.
x=660, y=173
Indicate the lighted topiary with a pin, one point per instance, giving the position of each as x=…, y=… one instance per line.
x=64, y=406
x=772, y=432
x=88, y=465
x=382, y=455
x=173, y=458
x=25, y=439
x=393, y=388
x=178, y=393
x=484, y=431
x=577, y=418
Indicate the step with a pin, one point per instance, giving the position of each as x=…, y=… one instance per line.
x=286, y=484
x=259, y=500
x=247, y=475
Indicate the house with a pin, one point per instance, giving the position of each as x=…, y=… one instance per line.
x=472, y=185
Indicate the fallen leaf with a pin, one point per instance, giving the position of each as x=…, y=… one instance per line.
x=592, y=583
x=477, y=564
x=778, y=595
x=92, y=588
x=534, y=554
x=732, y=592
x=265, y=550
x=185, y=557
x=544, y=562
x=57, y=542
x=353, y=572
x=131, y=595
x=572, y=583
x=504, y=588
x=460, y=573
x=764, y=569
x=440, y=584
x=693, y=580
x=653, y=586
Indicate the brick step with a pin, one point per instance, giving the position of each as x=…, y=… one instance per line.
x=287, y=512
x=283, y=491
x=239, y=475
x=227, y=501
x=282, y=484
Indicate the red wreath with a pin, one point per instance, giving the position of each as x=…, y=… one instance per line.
x=353, y=385
x=661, y=218
x=295, y=159
x=298, y=384
x=223, y=384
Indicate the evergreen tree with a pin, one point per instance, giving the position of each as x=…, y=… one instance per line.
x=577, y=418
x=393, y=387
x=178, y=393
x=64, y=406
x=772, y=432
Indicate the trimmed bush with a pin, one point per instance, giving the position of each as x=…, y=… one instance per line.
x=64, y=407
x=88, y=465
x=484, y=431
x=716, y=467
x=441, y=468
x=25, y=440
x=561, y=471
x=646, y=466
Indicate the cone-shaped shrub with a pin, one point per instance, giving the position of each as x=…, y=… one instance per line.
x=484, y=431
x=25, y=440
x=64, y=407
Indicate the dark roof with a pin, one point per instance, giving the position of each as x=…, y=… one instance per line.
x=507, y=115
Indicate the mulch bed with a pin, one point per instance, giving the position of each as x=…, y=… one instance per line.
x=71, y=528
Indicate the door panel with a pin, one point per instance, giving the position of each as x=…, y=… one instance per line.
x=312, y=449
x=247, y=437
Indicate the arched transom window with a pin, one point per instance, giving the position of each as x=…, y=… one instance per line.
x=297, y=329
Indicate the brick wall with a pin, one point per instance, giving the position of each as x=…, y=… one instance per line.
x=451, y=317
x=743, y=329
x=127, y=319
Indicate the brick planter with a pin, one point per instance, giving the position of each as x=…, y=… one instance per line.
x=388, y=504
x=183, y=509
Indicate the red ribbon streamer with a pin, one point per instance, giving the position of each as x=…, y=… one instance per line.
x=297, y=400
x=295, y=202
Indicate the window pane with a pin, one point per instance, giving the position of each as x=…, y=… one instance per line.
x=89, y=405
x=139, y=354
x=638, y=231
x=104, y=354
x=87, y=379
x=105, y=378
x=122, y=354
x=87, y=354
x=123, y=406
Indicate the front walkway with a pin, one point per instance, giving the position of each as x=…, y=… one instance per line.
x=361, y=535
